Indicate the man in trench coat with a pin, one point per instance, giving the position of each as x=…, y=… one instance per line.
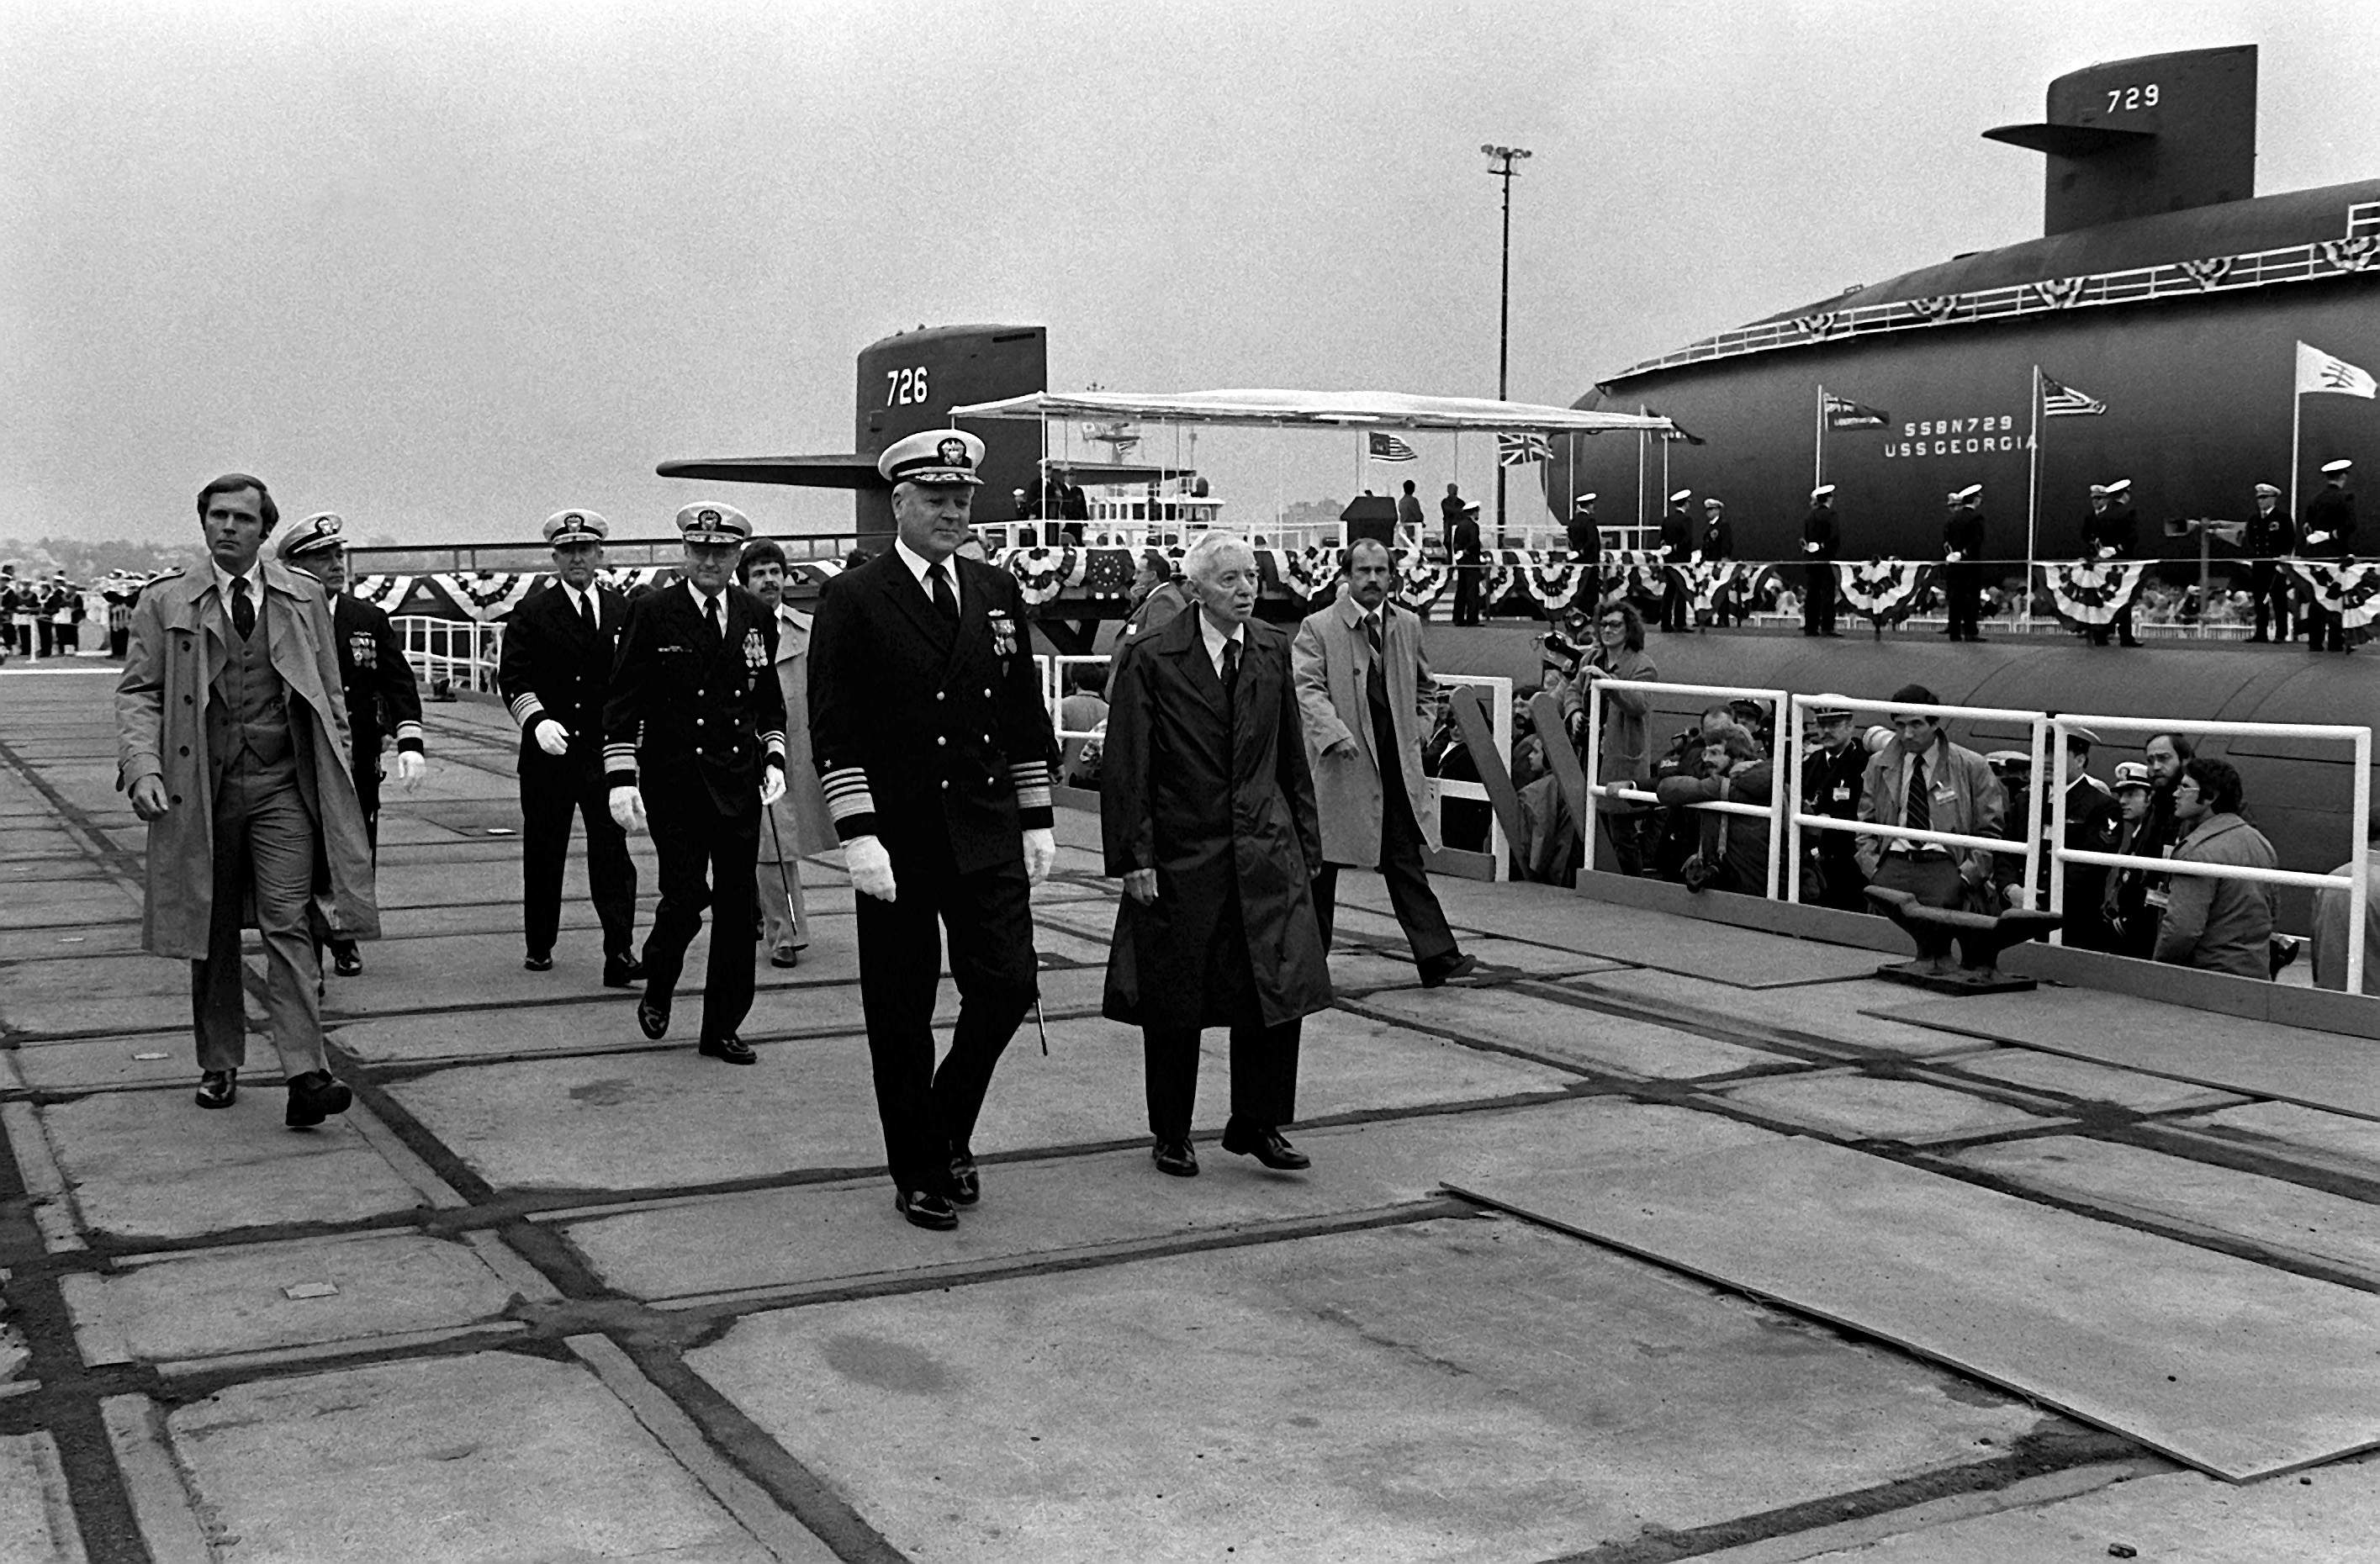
x=798, y=823
x=1363, y=692
x=1206, y=808
x=233, y=745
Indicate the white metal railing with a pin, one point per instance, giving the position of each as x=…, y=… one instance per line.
x=1499, y=690
x=461, y=652
x=1774, y=811
x=1053, y=696
x=2355, y=881
x=2037, y=726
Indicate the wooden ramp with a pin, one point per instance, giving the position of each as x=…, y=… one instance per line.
x=2228, y=1367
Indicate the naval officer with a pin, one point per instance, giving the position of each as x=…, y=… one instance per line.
x=375, y=679
x=2270, y=538
x=1962, y=577
x=694, y=749
x=935, y=751
x=1822, y=540
x=2329, y=534
x=554, y=675
x=1677, y=547
x=2111, y=534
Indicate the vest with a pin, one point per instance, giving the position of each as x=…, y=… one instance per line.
x=248, y=705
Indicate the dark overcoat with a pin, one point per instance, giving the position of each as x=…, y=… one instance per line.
x=1216, y=815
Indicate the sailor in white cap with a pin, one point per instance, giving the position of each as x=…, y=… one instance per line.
x=2329, y=534
x=2269, y=538
x=694, y=749
x=1470, y=562
x=1822, y=540
x=1831, y=774
x=2111, y=533
x=1677, y=549
x=1963, y=575
x=554, y=673
x=1583, y=532
x=382, y=700
x=935, y=751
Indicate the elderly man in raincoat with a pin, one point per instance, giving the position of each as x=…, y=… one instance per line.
x=233, y=745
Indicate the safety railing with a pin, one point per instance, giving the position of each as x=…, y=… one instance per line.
x=1775, y=811
x=1498, y=690
x=1053, y=696
x=463, y=652
x=2037, y=726
x=2355, y=881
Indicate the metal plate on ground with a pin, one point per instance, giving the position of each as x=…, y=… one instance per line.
x=2234, y=1368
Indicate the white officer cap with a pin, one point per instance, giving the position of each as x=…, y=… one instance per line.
x=1971, y=491
x=312, y=536
x=1829, y=708
x=1714, y=503
x=2100, y=491
x=1681, y=496
x=2120, y=485
x=576, y=527
x=2268, y=488
x=934, y=455
x=1585, y=499
x=1822, y=490
x=2338, y=467
x=707, y=522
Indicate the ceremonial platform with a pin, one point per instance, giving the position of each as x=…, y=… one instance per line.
x=1666, y=1238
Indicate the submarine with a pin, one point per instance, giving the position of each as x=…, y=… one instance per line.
x=2149, y=332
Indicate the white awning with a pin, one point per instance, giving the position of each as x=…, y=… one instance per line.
x=1312, y=409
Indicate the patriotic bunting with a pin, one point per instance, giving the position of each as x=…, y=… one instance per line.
x=1042, y=574
x=1885, y=590
x=383, y=592
x=2088, y=595
x=2350, y=591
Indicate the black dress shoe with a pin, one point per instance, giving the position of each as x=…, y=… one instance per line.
x=1175, y=1156
x=314, y=1096
x=1436, y=974
x=537, y=962
x=786, y=956
x=1267, y=1147
x=218, y=1088
x=967, y=1185
x=623, y=972
x=731, y=1047
x=346, y=961
x=653, y=1018
x=926, y=1209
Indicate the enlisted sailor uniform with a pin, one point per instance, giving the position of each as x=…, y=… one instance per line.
x=1822, y=540
x=931, y=736
x=695, y=716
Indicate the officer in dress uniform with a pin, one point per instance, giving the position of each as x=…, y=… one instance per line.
x=2329, y=534
x=694, y=749
x=1677, y=549
x=1831, y=774
x=1822, y=540
x=935, y=753
x=1962, y=578
x=2269, y=537
x=2111, y=534
x=376, y=679
x=1716, y=546
x=554, y=675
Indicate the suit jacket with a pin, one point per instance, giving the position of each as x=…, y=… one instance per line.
x=552, y=665
x=920, y=730
x=1219, y=813
x=693, y=716
x=179, y=643
x=1331, y=664
x=1964, y=798
x=382, y=697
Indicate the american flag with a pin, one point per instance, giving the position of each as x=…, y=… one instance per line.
x=1389, y=448
x=1520, y=450
x=2065, y=401
x=1844, y=413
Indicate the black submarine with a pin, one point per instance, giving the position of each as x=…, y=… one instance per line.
x=2162, y=290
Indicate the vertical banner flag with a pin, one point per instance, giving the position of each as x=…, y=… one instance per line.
x=2065, y=401
x=2318, y=371
x=1844, y=413
x=1520, y=450
x=1389, y=448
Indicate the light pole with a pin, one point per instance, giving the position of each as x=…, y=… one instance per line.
x=1500, y=161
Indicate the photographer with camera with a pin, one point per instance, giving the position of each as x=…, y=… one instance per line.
x=1731, y=850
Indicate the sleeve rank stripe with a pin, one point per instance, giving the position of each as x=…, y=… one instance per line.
x=526, y=708
x=848, y=793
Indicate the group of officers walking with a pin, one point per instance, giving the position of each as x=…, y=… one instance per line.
x=2109, y=533
x=904, y=721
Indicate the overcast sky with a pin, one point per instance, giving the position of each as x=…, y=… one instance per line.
x=448, y=267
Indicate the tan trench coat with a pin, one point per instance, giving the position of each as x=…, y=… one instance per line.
x=1332, y=658
x=800, y=821
x=178, y=645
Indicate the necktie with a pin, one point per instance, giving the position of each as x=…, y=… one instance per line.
x=1376, y=679
x=243, y=612
x=946, y=602
x=718, y=619
x=1230, y=674
x=587, y=613
x=1920, y=816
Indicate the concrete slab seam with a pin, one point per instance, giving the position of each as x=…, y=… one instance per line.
x=45, y=1182
x=163, y=1501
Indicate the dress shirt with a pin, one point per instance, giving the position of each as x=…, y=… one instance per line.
x=1216, y=641
x=702, y=606
x=918, y=564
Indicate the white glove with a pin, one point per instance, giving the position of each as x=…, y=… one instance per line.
x=1041, y=854
x=1809, y=548
x=1953, y=556
x=410, y=764
x=870, y=866
x=772, y=785
x=551, y=736
x=628, y=808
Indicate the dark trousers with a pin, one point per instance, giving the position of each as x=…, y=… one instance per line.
x=46, y=636
x=1623, y=827
x=551, y=794
x=2268, y=585
x=1817, y=598
x=69, y=639
x=1962, y=590
x=1403, y=867
x=264, y=850
x=2120, y=627
x=928, y=1111
x=710, y=860
x=1467, y=585
x=1673, y=603
x=1840, y=883
x=1934, y=881
x=118, y=640
x=2324, y=630
x=1264, y=1077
